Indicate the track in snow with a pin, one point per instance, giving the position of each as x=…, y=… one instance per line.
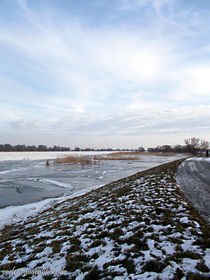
x=193, y=176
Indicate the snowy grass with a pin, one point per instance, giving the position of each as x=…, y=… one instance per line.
x=139, y=227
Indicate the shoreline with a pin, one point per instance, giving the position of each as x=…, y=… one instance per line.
x=6, y=156
x=34, y=185
x=12, y=214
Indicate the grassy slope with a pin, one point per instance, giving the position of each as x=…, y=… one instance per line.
x=140, y=227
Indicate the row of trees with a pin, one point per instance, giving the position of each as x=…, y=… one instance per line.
x=192, y=145
x=168, y=149
x=43, y=148
x=33, y=148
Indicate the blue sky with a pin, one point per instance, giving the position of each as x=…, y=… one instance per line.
x=104, y=73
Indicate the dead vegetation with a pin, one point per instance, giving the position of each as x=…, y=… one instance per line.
x=74, y=160
x=92, y=160
x=109, y=157
x=116, y=154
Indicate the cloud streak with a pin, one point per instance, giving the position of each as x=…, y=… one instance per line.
x=71, y=73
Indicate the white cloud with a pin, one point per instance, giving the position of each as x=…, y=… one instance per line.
x=157, y=5
x=129, y=59
x=191, y=83
x=144, y=119
x=198, y=79
x=119, y=79
x=85, y=65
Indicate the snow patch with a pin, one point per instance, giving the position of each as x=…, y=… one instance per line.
x=12, y=214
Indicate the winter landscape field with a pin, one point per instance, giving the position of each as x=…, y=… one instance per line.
x=27, y=183
x=104, y=140
x=138, y=227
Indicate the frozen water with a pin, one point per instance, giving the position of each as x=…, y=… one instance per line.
x=26, y=181
x=5, y=156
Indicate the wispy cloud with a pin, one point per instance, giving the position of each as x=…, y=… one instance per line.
x=125, y=76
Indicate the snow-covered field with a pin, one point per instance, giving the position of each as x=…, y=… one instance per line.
x=140, y=227
x=4, y=156
x=193, y=176
x=198, y=159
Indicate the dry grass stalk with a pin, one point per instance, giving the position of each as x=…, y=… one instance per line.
x=115, y=158
x=141, y=153
x=116, y=154
x=112, y=156
x=74, y=160
x=90, y=160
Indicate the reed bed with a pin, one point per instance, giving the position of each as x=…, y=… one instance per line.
x=116, y=154
x=115, y=158
x=112, y=156
x=91, y=160
x=74, y=160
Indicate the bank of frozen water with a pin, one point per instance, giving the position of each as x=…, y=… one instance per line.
x=28, y=186
x=140, y=227
x=12, y=214
x=24, y=177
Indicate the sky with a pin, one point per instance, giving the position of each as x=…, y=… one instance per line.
x=104, y=73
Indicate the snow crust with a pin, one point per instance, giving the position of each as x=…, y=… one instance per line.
x=55, y=182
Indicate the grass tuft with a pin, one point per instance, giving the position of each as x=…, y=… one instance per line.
x=202, y=267
x=154, y=266
x=94, y=274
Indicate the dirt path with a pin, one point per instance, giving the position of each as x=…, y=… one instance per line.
x=193, y=176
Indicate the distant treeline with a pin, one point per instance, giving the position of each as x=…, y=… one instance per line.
x=33, y=148
x=192, y=145
x=43, y=148
x=169, y=149
x=166, y=149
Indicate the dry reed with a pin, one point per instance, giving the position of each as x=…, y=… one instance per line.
x=74, y=160
x=112, y=156
x=116, y=154
x=115, y=158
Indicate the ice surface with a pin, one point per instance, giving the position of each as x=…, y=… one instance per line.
x=31, y=177
x=57, y=183
x=12, y=214
x=27, y=181
x=42, y=155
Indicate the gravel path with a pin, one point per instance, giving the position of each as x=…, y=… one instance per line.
x=193, y=176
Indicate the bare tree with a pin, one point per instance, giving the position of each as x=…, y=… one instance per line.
x=195, y=145
x=204, y=145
